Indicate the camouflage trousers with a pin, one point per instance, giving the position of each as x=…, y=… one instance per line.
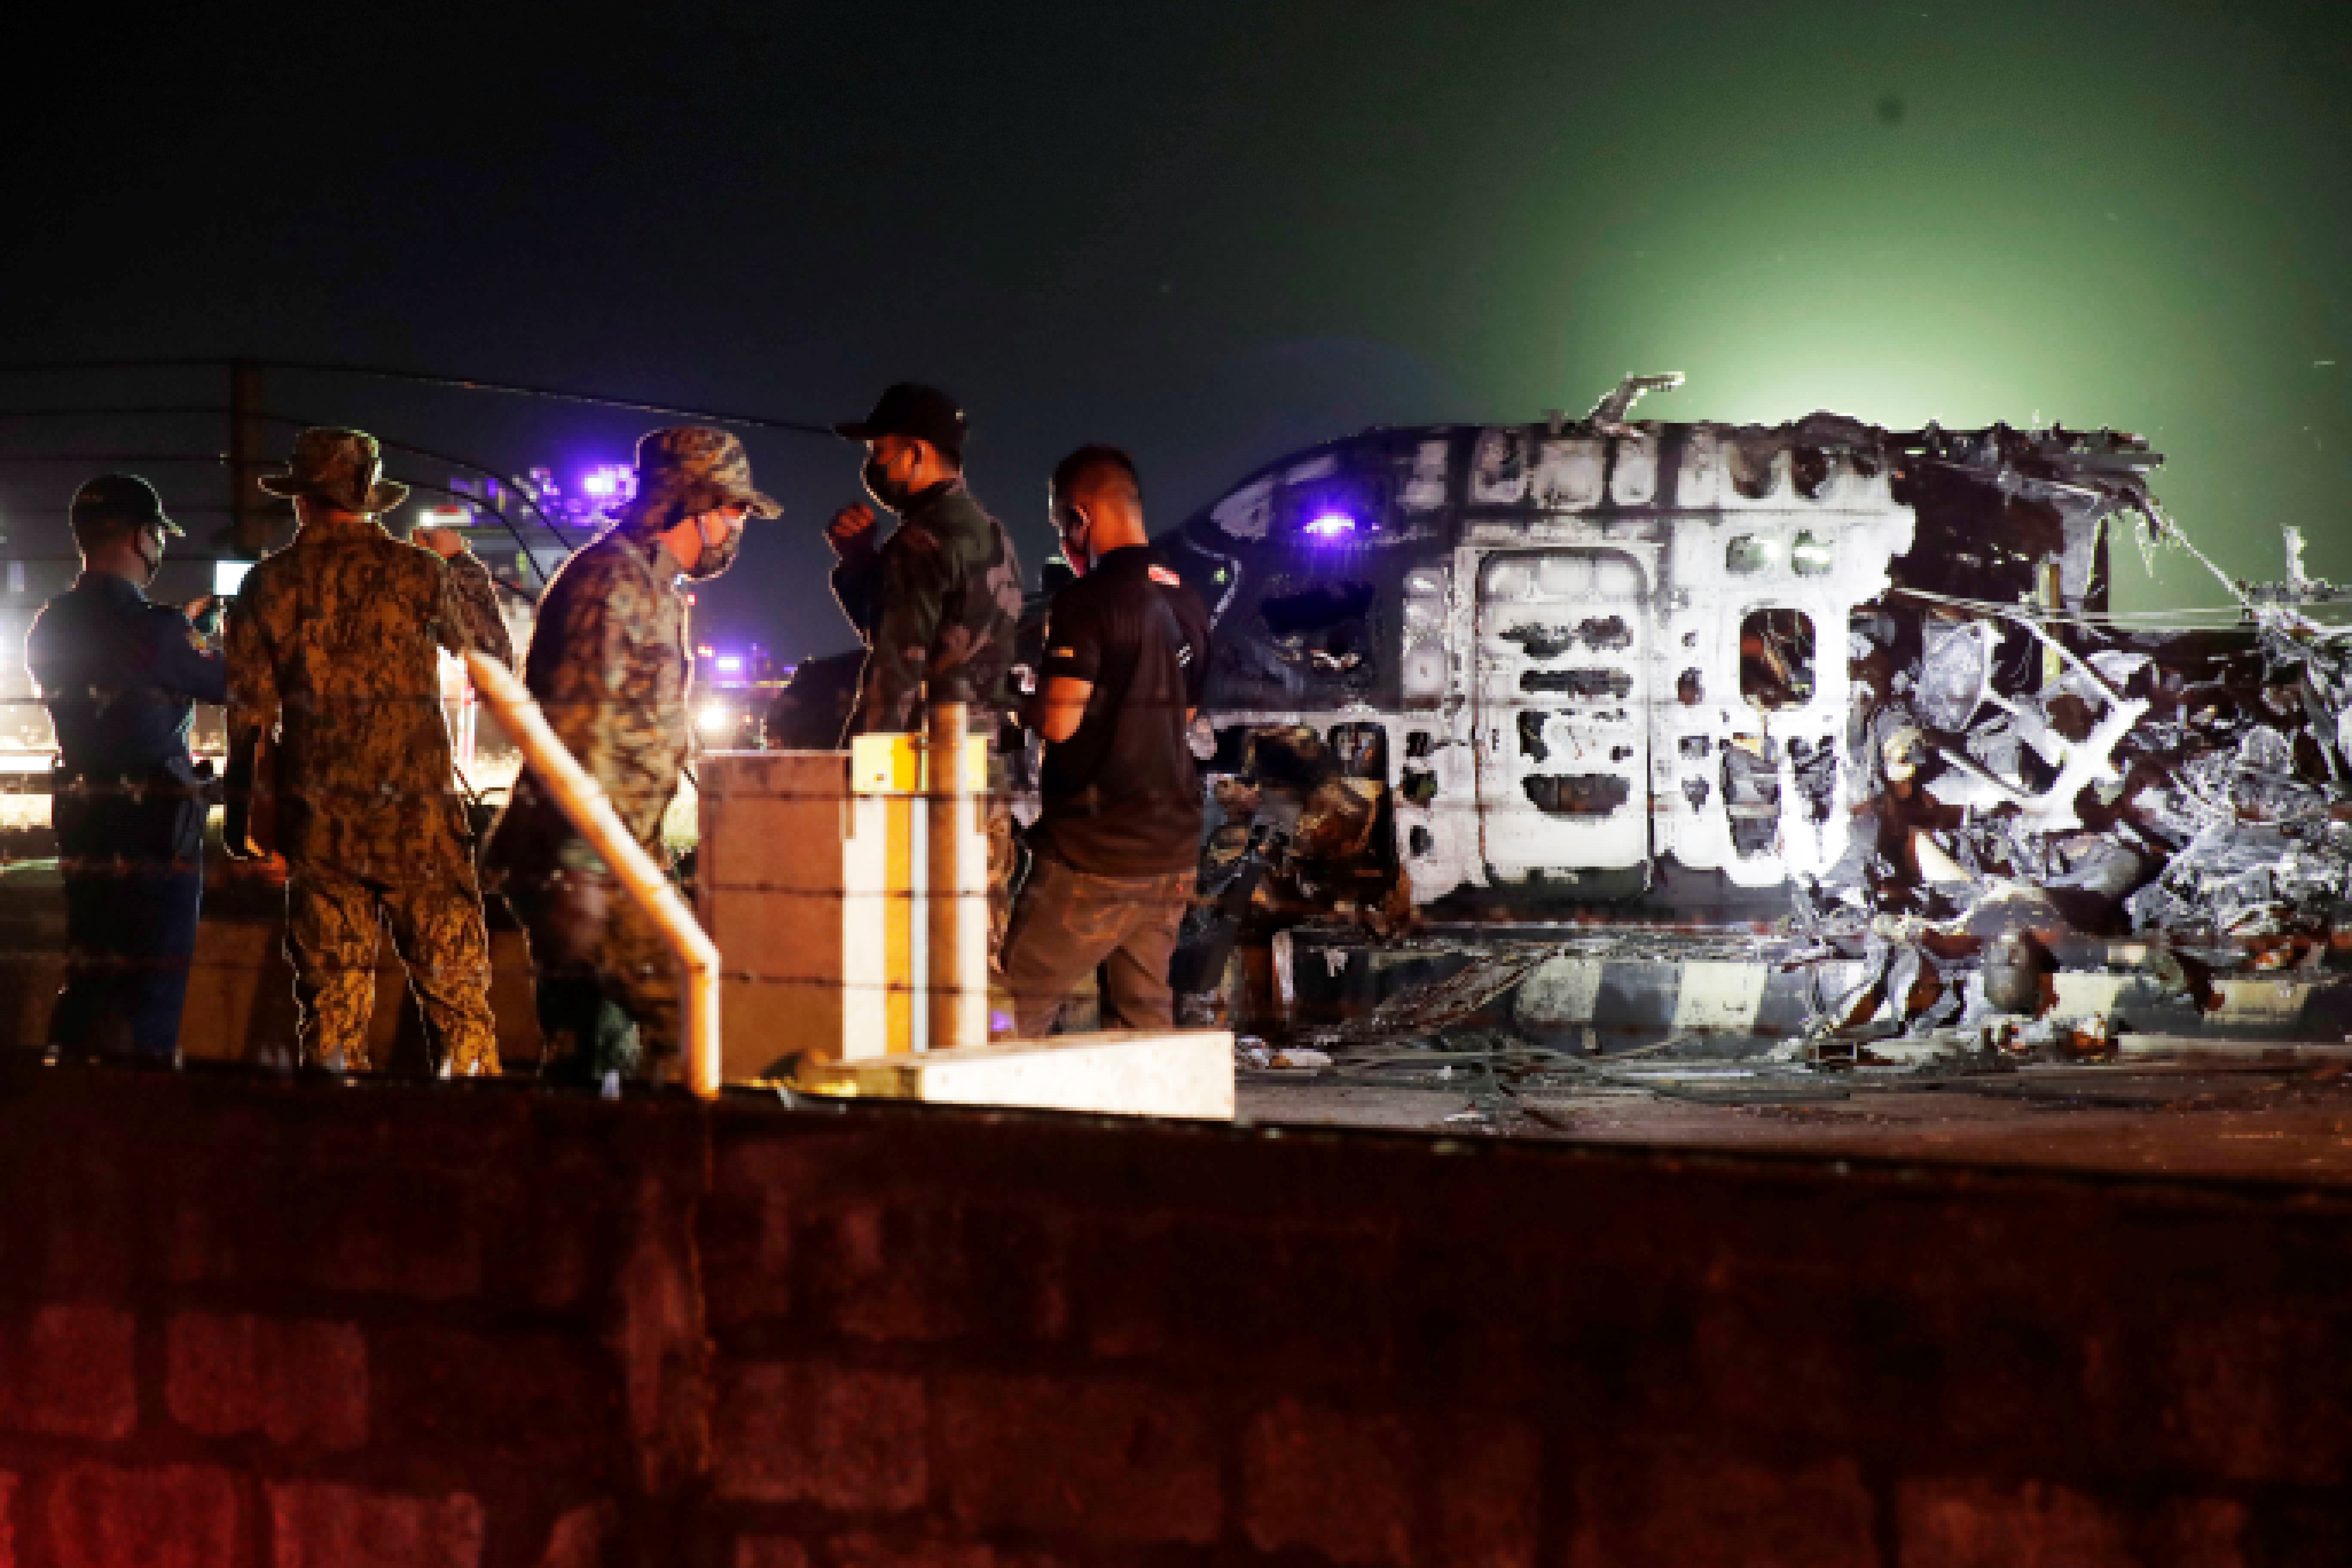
x=1003, y=864
x=606, y=982
x=333, y=921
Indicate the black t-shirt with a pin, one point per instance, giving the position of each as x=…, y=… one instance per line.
x=1121, y=797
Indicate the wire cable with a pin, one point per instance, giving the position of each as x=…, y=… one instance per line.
x=425, y=378
x=223, y=411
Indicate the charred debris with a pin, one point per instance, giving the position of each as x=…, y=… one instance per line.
x=1856, y=693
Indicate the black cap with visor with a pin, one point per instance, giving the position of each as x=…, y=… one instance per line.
x=911, y=408
x=119, y=500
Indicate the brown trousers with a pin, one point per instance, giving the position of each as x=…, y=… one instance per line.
x=1067, y=922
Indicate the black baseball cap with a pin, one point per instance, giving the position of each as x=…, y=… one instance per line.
x=119, y=498
x=911, y=408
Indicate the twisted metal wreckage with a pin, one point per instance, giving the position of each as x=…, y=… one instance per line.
x=1483, y=694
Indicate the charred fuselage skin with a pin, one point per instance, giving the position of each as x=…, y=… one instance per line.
x=1631, y=671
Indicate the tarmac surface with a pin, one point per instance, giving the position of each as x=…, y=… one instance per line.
x=2243, y=1110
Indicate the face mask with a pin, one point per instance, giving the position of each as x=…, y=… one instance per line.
x=1074, y=526
x=883, y=488
x=717, y=555
x=155, y=561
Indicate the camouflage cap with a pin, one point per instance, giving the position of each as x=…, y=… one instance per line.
x=343, y=468
x=119, y=498
x=688, y=469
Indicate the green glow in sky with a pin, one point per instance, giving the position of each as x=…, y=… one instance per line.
x=2134, y=217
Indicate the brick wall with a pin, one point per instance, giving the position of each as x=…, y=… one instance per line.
x=243, y=1324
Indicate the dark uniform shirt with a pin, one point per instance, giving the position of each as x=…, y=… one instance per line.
x=122, y=676
x=937, y=603
x=1120, y=797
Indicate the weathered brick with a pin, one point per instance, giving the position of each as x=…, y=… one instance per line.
x=1674, y=1508
x=2254, y=1402
x=387, y=1238
x=865, y=1549
x=747, y=1259
x=1017, y=1273
x=89, y=1233
x=67, y=1371
x=2200, y=1532
x=180, y=1516
x=299, y=1382
x=542, y=1394
x=868, y=1550
x=1970, y=1523
x=769, y=1551
x=1490, y=1498
x=379, y=1226
x=891, y=1271
x=1119, y=1460
x=845, y=1438
x=314, y=1525
x=576, y=1540
x=1336, y=1483
x=1769, y=1362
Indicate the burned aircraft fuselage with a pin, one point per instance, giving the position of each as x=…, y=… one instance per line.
x=1524, y=669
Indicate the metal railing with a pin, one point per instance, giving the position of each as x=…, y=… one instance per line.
x=583, y=802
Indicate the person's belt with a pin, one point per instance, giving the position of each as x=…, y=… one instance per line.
x=160, y=779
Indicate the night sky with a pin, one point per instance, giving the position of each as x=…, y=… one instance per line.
x=1210, y=233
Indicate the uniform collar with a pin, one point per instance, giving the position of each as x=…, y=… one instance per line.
x=1127, y=558
x=352, y=527
x=921, y=506
x=109, y=585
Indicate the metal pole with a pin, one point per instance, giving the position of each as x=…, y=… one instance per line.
x=255, y=516
x=583, y=802
x=956, y=970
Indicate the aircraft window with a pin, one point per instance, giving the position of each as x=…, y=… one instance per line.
x=1362, y=750
x=1809, y=557
x=1577, y=795
x=1747, y=554
x=1605, y=683
x=1775, y=658
x=1314, y=607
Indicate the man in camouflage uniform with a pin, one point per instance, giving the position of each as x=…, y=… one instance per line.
x=332, y=645
x=937, y=602
x=608, y=665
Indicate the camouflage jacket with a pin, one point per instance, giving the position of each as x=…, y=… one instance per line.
x=937, y=605
x=608, y=665
x=333, y=643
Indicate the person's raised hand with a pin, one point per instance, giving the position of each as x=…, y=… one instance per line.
x=851, y=531
x=445, y=543
x=204, y=613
